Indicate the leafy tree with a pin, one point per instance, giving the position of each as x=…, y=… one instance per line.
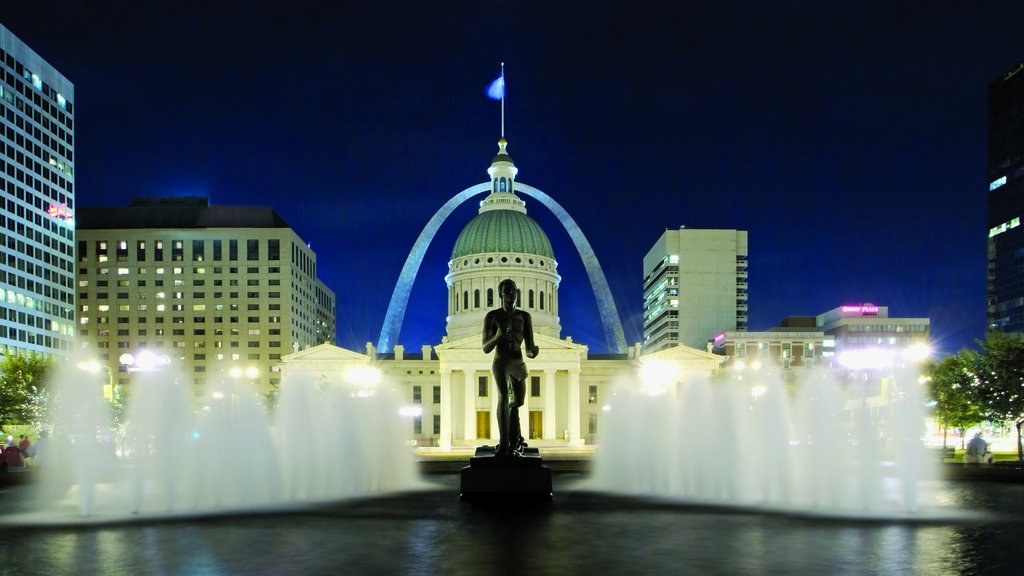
x=24, y=395
x=954, y=386
x=1001, y=380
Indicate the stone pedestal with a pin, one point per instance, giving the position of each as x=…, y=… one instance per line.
x=504, y=478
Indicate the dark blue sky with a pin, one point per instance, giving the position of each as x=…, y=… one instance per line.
x=848, y=138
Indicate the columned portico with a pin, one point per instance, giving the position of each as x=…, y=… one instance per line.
x=573, y=408
x=550, y=428
x=445, y=433
x=469, y=405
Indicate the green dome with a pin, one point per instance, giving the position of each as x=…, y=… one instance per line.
x=502, y=231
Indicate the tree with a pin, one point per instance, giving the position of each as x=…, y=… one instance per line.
x=954, y=386
x=1001, y=380
x=24, y=394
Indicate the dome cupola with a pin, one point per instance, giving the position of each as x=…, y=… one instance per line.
x=501, y=242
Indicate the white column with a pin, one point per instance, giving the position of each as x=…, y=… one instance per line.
x=445, y=440
x=469, y=412
x=549, y=405
x=572, y=421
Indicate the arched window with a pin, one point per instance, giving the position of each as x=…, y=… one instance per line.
x=490, y=297
x=529, y=298
x=541, y=299
x=476, y=298
x=495, y=185
x=465, y=300
x=501, y=187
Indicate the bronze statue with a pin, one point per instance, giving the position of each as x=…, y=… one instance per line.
x=505, y=329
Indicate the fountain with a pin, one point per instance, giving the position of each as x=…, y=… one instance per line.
x=328, y=440
x=745, y=441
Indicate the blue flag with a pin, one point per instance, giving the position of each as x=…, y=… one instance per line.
x=496, y=89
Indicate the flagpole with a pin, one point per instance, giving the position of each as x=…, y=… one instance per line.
x=503, y=100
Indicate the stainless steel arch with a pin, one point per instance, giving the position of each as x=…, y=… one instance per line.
x=613, y=334
x=392, y=326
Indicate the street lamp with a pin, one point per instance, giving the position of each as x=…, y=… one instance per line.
x=94, y=367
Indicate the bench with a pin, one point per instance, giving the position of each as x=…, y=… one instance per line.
x=943, y=452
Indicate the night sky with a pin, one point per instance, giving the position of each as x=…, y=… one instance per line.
x=848, y=138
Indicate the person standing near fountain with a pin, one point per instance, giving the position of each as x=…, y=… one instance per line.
x=505, y=330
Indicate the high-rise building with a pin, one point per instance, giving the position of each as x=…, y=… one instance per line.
x=695, y=286
x=1005, y=287
x=226, y=291
x=37, y=273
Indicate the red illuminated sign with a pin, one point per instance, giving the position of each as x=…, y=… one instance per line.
x=861, y=310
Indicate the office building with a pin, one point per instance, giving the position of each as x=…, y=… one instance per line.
x=225, y=291
x=1005, y=278
x=695, y=286
x=37, y=298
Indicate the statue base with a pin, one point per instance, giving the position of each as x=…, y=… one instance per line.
x=511, y=479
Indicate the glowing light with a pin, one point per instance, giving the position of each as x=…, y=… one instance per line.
x=996, y=183
x=863, y=310
x=657, y=376
x=758, y=391
x=146, y=361
x=866, y=358
x=62, y=213
x=917, y=352
x=90, y=366
x=410, y=411
x=363, y=375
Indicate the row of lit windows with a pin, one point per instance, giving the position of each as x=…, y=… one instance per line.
x=177, y=319
x=104, y=332
x=272, y=250
x=253, y=295
x=47, y=90
x=919, y=328
x=124, y=344
x=177, y=282
x=530, y=300
x=31, y=300
x=199, y=270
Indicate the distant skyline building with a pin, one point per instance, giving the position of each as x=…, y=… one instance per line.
x=695, y=286
x=37, y=269
x=222, y=290
x=1005, y=277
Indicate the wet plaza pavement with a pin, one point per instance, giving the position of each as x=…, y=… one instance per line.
x=579, y=532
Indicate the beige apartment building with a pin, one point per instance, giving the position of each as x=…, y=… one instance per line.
x=225, y=291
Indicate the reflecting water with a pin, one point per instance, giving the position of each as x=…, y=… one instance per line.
x=432, y=532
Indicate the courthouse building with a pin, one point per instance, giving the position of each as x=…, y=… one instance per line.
x=449, y=386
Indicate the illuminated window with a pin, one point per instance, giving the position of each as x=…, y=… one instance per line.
x=996, y=183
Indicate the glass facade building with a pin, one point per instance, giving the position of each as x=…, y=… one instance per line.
x=37, y=182
x=1005, y=280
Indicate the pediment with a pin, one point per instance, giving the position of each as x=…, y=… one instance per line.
x=683, y=353
x=326, y=353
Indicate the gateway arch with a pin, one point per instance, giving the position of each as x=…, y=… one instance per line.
x=613, y=334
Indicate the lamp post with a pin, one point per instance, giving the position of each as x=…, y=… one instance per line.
x=94, y=367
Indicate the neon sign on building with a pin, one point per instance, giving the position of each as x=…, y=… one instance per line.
x=860, y=310
x=62, y=213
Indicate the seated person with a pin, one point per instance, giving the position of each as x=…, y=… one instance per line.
x=978, y=451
